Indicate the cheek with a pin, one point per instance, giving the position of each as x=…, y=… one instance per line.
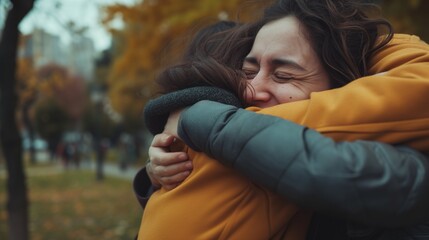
x=289, y=93
x=321, y=84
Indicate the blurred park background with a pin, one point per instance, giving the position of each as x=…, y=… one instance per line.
x=75, y=76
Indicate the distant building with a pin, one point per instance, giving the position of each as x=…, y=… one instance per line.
x=82, y=57
x=45, y=48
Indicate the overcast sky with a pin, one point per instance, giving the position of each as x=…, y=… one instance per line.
x=52, y=14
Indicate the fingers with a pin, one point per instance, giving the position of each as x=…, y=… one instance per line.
x=171, y=168
x=152, y=177
x=162, y=140
x=161, y=156
x=174, y=181
x=167, y=169
x=169, y=176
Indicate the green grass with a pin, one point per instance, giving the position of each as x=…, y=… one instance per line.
x=73, y=205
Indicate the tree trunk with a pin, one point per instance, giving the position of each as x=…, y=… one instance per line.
x=99, y=143
x=30, y=130
x=17, y=202
x=100, y=161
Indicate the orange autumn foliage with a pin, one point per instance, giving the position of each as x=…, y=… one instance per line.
x=55, y=82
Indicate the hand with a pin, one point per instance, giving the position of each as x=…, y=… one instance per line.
x=165, y=168
x=172, y=123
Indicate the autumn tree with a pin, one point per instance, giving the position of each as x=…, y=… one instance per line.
x=51, y=121
x=17, y=201
x=99, y=119
x=61, y=102
x=68, y=90
x=408, y=16
x=101, y=127
x=72, y=97
x=155, y=34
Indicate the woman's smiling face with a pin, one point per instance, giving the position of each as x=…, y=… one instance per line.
x=282, y=65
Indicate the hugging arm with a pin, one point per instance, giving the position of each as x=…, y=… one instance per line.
x=363, y=181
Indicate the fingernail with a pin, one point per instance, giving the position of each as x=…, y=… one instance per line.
x=183, y=157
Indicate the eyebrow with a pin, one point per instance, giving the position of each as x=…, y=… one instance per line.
x=278, y=62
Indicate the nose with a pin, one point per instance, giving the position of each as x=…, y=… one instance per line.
x=258, y=92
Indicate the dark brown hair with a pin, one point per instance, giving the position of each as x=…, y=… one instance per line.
x=208, y=60
x=207, y=38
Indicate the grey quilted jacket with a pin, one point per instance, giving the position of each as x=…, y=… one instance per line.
x=363, y=181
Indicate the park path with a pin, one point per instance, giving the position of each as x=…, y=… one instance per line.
x=114, y=171
x=109, y=169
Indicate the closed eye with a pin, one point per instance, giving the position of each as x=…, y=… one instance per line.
x=250, y=74
x=282, y=77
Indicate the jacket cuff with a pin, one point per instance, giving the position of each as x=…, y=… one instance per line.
x=143, y=187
